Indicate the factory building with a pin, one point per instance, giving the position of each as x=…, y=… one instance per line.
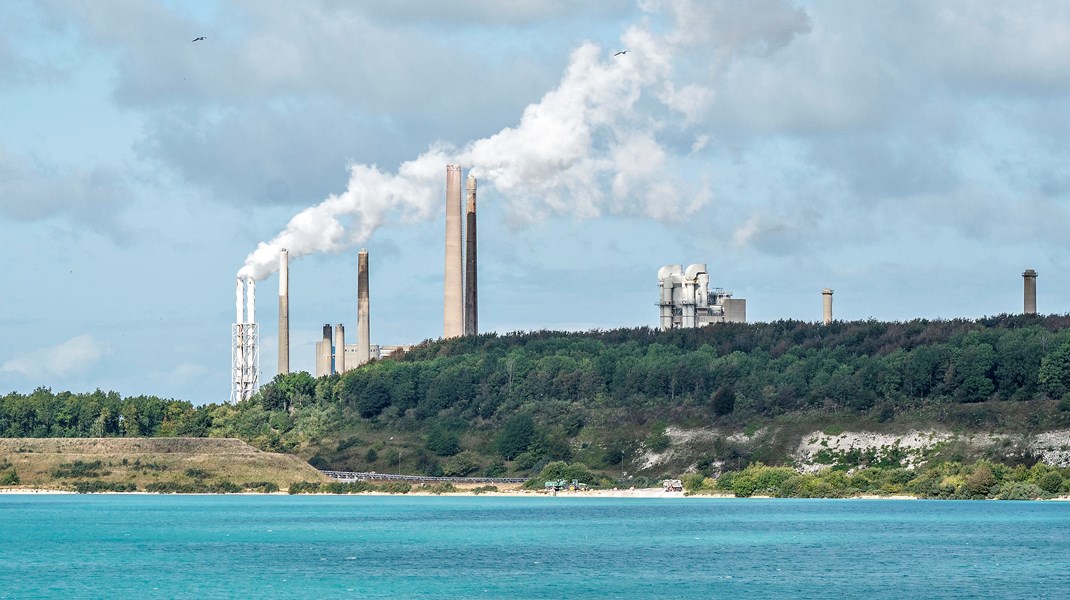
x=688, y=302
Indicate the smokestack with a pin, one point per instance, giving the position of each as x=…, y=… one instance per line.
x=239, y=303
x=1030, y=279
x=250, y=299
x=471, y=298
x=339, y=349
x=284, y=311
x=827, y=294
x=364, y=337
x=453, y=307
x=323, y=353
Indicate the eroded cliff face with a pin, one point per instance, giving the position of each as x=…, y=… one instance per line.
x=711, y=449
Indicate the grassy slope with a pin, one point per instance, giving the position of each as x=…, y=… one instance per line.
x=151, y=460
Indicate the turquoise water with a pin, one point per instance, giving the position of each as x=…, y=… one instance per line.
x=144, y=546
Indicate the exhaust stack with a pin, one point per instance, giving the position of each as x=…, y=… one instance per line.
x=363, y=308
x=339, y=349
x=284, y=311
x=453, y=307
x=1030, y=279
x=471, y=298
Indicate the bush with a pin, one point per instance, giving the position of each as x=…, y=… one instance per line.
x=443, y=442
x=9, y=477
x=444, y=487
x=461, y=465
x=79, y=469
x=1050, y=482
x=495, y=469
x=692, y=482
x=264, y=487
x=515, y=436
x=97, y=486
x=304, y=487
x=395, y=487
x=484, y=488
x=1020, y=491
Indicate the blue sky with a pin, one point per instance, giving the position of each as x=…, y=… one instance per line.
x=911, y=155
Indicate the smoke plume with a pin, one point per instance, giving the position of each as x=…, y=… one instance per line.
x=588, y=147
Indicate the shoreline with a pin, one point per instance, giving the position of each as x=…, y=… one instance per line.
x=641, y=493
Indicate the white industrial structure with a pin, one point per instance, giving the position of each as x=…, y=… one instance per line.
x=244, y=344
x=687, y=301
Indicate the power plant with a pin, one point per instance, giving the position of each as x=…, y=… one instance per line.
x=687, y=302
x=244, y=343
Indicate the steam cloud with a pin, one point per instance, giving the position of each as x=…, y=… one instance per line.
x=587, y=147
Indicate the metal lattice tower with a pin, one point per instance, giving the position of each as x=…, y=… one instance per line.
x=245, y=345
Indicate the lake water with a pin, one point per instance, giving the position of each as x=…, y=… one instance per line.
x=147, y=546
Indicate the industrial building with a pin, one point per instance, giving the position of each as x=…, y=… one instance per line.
x=688, y=302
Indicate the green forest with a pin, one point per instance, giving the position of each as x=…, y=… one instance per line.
x=511, y=404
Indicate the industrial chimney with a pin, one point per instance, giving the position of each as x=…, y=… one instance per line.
x=284, y=311
x=1030, y=279
x=363, y=318
x=324, y=353
x=827, y=295
x=339, y=348
x=244, y=343
x=471, y=298
x=453, y=305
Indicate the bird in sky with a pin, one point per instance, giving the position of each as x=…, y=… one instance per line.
x=198, y=39
x=617, y=54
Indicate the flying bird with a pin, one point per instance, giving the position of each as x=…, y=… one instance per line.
x=198, y=39
x=617, y=54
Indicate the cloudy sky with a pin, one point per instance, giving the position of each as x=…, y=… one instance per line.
x=910, y=155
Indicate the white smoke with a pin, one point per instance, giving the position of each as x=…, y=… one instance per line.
x=589, y=146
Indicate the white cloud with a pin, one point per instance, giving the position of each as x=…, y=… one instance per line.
x=73, y=356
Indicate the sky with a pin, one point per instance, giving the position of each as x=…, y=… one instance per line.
x=910, y=155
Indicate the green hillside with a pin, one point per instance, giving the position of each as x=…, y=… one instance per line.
x=629, y=401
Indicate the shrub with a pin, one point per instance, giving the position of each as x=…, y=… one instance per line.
x=444, y=487
x=743, y=486
x=443, y=442
x=79, y=469
x=395, y=487
x=197, y=473
x=264, y=487
x=1020, y=491
x=692, y=482
x=9, y=477
x=515, y=437
x=97, y=486
x=304, y=487
x=484, y=488
x=1050, y=482
x=461, y=465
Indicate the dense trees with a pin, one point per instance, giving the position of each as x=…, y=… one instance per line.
x=537, y=397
